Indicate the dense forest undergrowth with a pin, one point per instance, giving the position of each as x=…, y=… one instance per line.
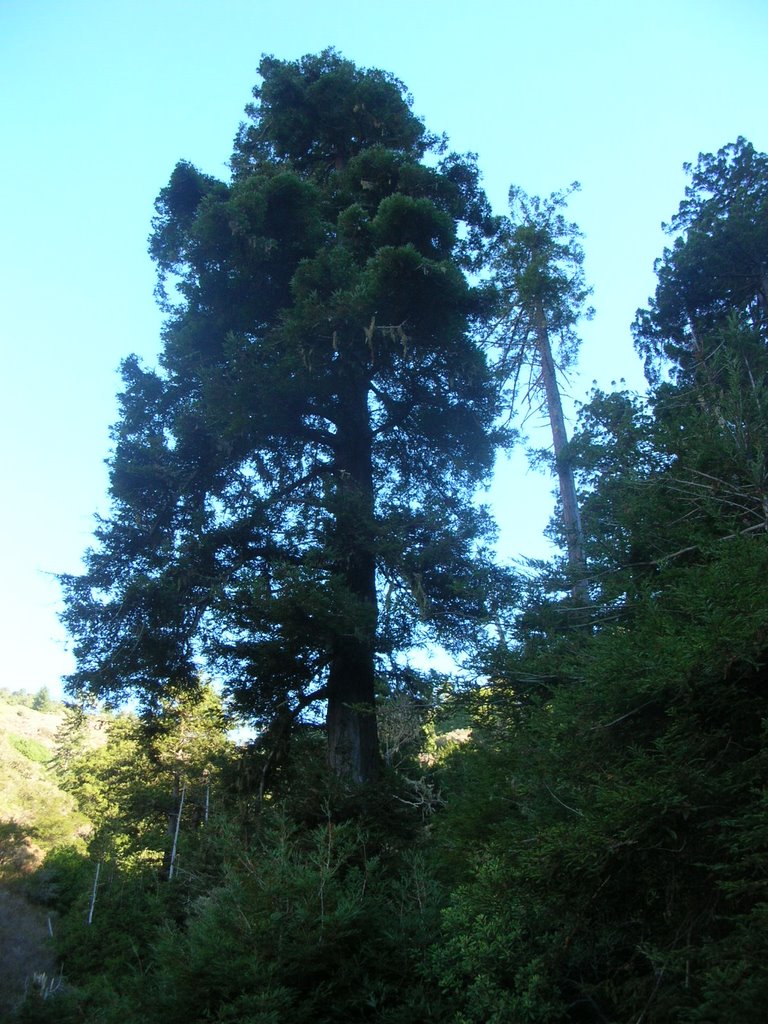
x=571, y=828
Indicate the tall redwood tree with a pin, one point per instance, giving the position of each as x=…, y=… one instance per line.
x=291, y=489
x=538, y=273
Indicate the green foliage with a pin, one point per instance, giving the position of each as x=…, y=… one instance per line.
x=35, y=812
x=613, y=801
x=609, y=873
x=716, y=265
x=538, y=280
x=130, y=786
x=30, y=749
x=41, y=701
x=582, y=838
x=309, y=922
x=537, y=261
x=306, y=926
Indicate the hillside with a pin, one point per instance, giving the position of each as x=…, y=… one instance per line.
x=35, y=814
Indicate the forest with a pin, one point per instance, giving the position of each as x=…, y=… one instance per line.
x=297, y=812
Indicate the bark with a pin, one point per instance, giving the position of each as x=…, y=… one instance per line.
x=353, y=748
x=94, y=891
x=176, y=832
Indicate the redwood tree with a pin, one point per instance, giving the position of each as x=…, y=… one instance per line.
x=542, y=295
x=291, y=488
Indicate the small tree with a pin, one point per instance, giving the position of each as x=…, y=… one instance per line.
x=42, y=701
x=130, y=786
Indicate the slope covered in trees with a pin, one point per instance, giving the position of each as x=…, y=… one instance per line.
x=621, y=870
x=580, y=835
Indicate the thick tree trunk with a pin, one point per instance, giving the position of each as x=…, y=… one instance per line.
x=574, y=537
x=353, y=744
x=353, y=748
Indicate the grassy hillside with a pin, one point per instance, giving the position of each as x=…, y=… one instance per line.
x=35, y=814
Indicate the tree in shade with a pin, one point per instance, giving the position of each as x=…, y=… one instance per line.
x=292, y=488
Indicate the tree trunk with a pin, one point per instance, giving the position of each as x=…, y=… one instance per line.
x=574, y=537
x=176, y=832
x=93, y=893
x=353, y=744
x=353, y=748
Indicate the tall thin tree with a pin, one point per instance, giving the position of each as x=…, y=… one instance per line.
x=541, y=291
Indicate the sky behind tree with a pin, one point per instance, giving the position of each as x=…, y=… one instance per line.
x=100, y=100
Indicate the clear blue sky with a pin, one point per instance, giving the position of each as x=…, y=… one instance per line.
x=100, y=98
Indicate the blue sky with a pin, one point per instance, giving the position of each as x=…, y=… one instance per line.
x=100, y=98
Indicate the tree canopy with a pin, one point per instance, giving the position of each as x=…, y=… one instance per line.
x=716, y=266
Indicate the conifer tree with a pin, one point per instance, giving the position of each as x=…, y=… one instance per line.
x=291, y=488
x=538, y=271
x=704, y=338
x=715, y=268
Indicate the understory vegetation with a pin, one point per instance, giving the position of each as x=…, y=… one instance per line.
x=595, y=850
x=573, y=827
